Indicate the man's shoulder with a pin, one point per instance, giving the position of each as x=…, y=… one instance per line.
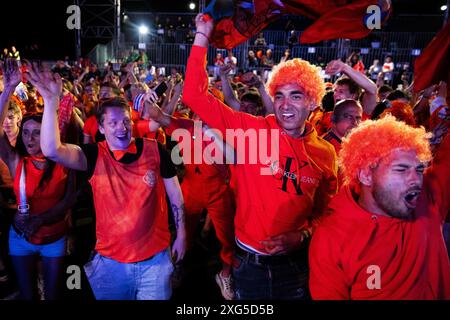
x=323, y=149
x=337, y=222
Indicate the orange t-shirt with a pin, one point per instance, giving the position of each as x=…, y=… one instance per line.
x=133, y=225
x=41, y=200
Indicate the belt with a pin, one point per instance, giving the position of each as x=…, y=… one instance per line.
x=269, y=260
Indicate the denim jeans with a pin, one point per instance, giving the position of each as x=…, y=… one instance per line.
x=19, y=246
x=144, y=280
x=285, y=280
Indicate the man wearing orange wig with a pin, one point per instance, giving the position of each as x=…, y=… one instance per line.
x=275, y=211
x=383, y=238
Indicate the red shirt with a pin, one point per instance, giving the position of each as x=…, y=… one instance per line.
x=133, y=225
x=301, y=182
x=91, y=127
x=194, y=166
x=41, y=200
x=411, y=255
x=141, y=129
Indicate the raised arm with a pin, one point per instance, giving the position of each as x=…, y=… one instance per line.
x=195, y=93
x=11, y=78
x=169, y=108
x=228, y=94
x=49, y=86
x=255, y=81
x=369, y=99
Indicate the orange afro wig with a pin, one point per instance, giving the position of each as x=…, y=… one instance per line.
x=300, y=72
x=373, y=140
x=402, y=112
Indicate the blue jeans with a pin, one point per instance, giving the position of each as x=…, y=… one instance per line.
x=19, y=246
x=144, y=280
x=277, y=278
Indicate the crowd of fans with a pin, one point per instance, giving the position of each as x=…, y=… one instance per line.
x=71, y=132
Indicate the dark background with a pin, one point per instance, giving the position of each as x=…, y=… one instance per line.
x=24, y=23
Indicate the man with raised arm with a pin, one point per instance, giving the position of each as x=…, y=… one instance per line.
x=279, y=198
x=129, y=178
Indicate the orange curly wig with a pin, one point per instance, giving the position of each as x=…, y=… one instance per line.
x=300, y=72
x=373, y=140
x=402, y=112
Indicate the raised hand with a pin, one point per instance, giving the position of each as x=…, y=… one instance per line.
x=48, y=84
x=130, y=67
x=178, y=88
x=11, y=74
x=335, y=67
x=204, y=23
x=250, y=79
x=225, y=69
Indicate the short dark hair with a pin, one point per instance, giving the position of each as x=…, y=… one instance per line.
x=385, y=88
x=252, y=96
x=116, y=102
x=341, y=106
x=352, y=86
x=397, y=94
x=328, y=101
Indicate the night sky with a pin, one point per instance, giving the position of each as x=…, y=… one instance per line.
x=25, y=23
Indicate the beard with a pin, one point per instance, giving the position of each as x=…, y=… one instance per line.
x=391, y=203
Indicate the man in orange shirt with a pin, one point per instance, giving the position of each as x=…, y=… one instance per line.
x=383, y=238
x=129, y=179
x=278, y=201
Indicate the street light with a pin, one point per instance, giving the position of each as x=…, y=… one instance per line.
x=192, y=6
x=143, y=30
x=443, y=8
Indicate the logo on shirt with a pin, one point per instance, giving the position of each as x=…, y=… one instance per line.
x=149, y=178
x=290, y=175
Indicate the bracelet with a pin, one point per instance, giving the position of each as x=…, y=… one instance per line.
x=203, y=34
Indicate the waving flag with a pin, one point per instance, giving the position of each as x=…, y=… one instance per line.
x=237, y=21
x=433, y=64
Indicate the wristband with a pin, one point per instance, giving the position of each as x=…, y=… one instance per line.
x=203, y=34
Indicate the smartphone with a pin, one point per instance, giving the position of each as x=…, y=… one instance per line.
x=161, y=89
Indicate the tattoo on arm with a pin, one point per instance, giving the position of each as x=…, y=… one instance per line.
x=178, y=215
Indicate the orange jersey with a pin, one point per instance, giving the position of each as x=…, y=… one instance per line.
x=132, y=225
x=43, y=199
